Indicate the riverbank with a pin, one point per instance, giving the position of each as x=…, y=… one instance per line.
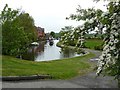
x=76, y=49
x=88, y=80
x=94, y=44
x=58, y=69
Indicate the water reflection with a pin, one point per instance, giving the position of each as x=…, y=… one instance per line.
x=45, y=52
x=66, y=53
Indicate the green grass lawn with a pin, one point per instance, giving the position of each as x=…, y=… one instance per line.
x=58, y=69
x=92, y=43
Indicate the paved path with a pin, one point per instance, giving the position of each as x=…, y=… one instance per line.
x=86, y=81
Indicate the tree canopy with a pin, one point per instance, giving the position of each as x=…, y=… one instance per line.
x=17, y=31
x=52, y=34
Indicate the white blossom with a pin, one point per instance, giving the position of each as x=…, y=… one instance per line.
x=82, y=27
x=104, y=14
x=116, y=41
x=110, y=53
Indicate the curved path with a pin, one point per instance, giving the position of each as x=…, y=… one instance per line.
x=86, y=81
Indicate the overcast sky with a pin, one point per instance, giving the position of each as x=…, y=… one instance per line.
x=51, y=14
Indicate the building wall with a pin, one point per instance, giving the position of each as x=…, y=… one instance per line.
x=41, y=33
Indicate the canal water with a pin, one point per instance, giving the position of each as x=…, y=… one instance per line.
x=45, y=52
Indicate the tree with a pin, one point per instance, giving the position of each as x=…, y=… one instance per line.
x=27, y=22
x=109, y=62
x=15, y=40
x=52, y=34
x=92, y=22
x=66, y=36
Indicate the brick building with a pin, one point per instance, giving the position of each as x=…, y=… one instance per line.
x=41, y=33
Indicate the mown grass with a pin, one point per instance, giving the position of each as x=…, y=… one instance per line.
x=58, y=69
x=92, y=43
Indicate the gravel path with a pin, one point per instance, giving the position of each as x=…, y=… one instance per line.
x=86, y=81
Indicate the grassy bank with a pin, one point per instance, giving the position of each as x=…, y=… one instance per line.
x=58, y=69
x=90, y=43
x=93, y=43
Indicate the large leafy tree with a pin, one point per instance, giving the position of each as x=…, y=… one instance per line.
x=15, y=39
x=27, y=22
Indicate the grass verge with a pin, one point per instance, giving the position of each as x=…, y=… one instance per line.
x=92, y=43
x=58, y=69
x=95, y=44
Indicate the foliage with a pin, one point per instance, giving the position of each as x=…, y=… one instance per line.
x=66, y=37
x=91, y=18
x=110, y=59
x=27, y=22
x=15, y=39
x=66, y=30
x=57, y=35
x=52, y=34
x=98, y=21
x=109, y=62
